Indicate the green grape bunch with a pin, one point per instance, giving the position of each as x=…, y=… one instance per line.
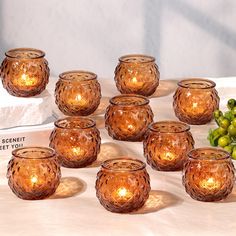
x=225, y=135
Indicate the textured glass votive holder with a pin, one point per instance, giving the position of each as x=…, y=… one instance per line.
x=33, y=172
x=137, y=74
x=24, y=72
x=167, y=144
x=78, y=93
x=208, y=174
x=195, y=100
x=76, y=141
x=128, y=116
x=122, y=185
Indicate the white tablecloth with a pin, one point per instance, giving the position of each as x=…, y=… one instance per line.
x=75, y=210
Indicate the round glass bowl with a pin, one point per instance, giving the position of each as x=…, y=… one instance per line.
x=209, y=174
x=127, y=117
x=24, y=72
x=33, y=172
x=195, y=100
x=123, y=185
x=78, y=93
x=167, y=144
x=76, y=141
x=137, y=74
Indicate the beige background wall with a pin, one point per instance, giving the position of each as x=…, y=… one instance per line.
x=188, y=37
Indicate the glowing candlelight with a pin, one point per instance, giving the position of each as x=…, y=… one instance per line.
x=135, y=83
x=168, y=156
x=197, y=108
x=123, y=193
x=78, y=101
x=34, y=179
x=77, y=151
x=210, y=184
x=131, y=128
x=28, y=81
x=25, y=80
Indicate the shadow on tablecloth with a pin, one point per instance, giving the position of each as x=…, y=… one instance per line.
x=108, y=151
x=98, y=115
x=69, y=187
x=158, y=200
x=165, y=88
x=102, y=107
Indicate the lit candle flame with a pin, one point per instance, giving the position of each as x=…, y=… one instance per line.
x=34, y=179
x=195, y=105
x=134, y=80
x=135, y=83
x=195, y=108
x=77, y=151
x=122, y=192
x=78, y=97
x=78, y=100
x=168, y=156
x=25, y=80
x=210, y=184
x=130, y=127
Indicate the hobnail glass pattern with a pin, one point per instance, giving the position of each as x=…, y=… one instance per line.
x=127, y=117
x=208, y=174
x=33, y=172
x=167, y=144
x=122, y=185
x=77, y=93
x=195, y=100
x=137, y=74
x=76, y=141
x=25, y=72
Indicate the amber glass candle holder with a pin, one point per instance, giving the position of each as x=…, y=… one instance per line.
x=24, y=72
x=76, y=141
x=122, y=185
x=209, y=174
x=33, y=172
x=195, y=100
x=137, y=74
x=78, y=93
x=127, y=117
x=167, y=144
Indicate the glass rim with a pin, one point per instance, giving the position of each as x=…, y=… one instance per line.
x=51, y=152
x=63, y=75
x=74, y=118
x=125, y=57
x=105, y=164
x=185, y=126
x=10, y=52
x=181, y=84
x=144, y=102
x=225, y=154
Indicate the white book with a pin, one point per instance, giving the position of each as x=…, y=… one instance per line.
x=13, y=138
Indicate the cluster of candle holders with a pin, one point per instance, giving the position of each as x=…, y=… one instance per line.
x=122, y=184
